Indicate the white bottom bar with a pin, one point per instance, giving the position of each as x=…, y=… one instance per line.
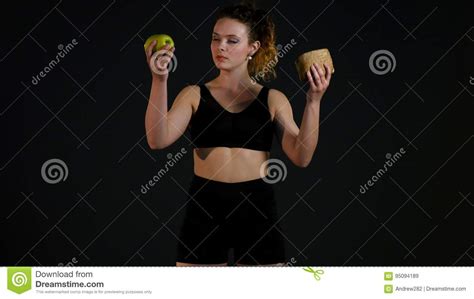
x=237, y=282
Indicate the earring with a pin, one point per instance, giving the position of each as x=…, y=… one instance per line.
x=249, y=57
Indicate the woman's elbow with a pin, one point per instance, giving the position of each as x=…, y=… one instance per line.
x=154, y=145
x=303, y=160
x=302, y=164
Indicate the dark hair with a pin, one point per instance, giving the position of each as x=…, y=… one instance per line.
x=261, y=28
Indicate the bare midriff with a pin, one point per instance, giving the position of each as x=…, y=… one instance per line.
x=230, y=165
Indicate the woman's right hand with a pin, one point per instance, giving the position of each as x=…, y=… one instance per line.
x=159, y=60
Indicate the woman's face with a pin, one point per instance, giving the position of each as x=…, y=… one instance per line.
x=230, y=44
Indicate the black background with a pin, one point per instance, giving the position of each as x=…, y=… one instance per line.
x=89, y=112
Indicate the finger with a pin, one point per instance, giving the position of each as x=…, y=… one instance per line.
x=323, y=72
x=321, y=75
x=153, y=59
x=149, y=50
x=167, y=53
x=167, y=59
x=151, y=46
x=328, y=73
x=320, y=71
x=161, y=63
x=310, y=79
x=166, y=50
x=315, y=75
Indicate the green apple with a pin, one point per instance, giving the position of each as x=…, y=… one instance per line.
x=161, y=41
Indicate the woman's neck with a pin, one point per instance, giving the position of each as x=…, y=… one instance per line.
x=234, y=80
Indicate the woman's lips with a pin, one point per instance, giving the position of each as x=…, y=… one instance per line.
x=219, y=57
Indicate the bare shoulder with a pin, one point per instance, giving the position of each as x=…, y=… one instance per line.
x=190, y=91
x=276, y=100
x=189, y=95
x=276, y=96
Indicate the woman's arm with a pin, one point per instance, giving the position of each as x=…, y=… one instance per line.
x=156, y=124
x=164, y=127
x=299, y=144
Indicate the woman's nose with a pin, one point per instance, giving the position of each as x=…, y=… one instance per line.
x=222, y=46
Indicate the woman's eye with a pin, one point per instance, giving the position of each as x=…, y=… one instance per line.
x=229, y=41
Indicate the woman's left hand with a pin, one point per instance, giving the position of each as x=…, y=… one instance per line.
x=318, y=82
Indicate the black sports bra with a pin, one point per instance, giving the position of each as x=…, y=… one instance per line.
x=213, y=126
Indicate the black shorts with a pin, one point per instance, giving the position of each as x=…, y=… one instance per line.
x=220, y=216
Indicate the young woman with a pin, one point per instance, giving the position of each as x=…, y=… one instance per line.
x=232, y=120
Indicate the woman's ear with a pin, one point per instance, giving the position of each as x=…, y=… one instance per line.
x=255, y=46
